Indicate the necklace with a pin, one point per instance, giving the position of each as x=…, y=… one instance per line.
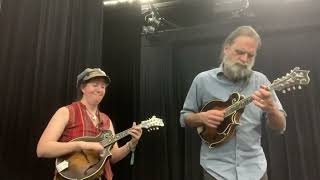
x=93, y=117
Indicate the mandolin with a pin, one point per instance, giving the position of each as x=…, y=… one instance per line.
x=88, y=164
x=236, y=103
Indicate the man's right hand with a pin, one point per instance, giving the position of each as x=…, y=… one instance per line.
x=212, y=118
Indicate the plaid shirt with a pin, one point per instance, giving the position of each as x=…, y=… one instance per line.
x=80, y=124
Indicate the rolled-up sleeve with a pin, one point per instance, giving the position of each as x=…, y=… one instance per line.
x=278, y=104
x=191, y=104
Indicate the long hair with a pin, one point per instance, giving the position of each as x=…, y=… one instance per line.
x=240, y=31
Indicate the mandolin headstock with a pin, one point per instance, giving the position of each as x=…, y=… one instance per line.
x=291, y=81
x=152, y=124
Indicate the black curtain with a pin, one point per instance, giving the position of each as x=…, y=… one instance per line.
x=44, y=44
x=120, y=59
x=170, y=61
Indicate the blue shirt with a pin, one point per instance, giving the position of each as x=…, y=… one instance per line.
x=242, y=157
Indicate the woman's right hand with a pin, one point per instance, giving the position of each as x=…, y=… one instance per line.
x=95, y=146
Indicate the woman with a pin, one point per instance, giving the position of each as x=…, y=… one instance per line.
x=83, y=118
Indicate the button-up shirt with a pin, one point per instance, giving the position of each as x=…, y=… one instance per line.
x=242, y=157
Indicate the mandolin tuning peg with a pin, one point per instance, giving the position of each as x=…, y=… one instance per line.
x=289, y=89
x=157, y=128
x=283, y=91
x=294, y=88
x=299, y=87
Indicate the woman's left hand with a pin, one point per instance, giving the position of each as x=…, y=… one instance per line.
x=135, y=131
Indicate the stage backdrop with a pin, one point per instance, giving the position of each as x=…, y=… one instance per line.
x=44, y=44
x=170, y=61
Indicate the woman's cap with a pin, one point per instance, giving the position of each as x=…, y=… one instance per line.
x=90, y=73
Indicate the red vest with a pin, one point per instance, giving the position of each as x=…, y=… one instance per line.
x=80, y=124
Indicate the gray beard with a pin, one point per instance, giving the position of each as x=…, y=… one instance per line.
x=237, y=71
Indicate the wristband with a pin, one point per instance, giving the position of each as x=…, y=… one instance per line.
x=131, y=147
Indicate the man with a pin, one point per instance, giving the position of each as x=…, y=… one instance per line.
x=241, y=157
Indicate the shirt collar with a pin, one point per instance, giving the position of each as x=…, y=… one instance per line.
x=220, y=73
